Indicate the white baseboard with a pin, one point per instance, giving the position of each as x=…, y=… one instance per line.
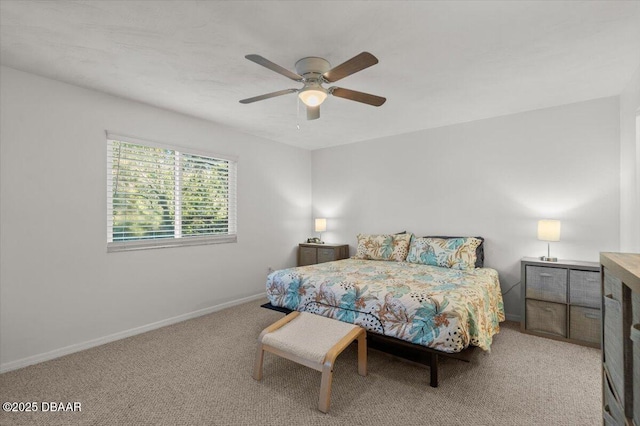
x=56, y=353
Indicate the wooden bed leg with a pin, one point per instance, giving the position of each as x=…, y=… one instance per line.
x=434, y=370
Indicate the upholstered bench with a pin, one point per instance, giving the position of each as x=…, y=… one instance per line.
x=313, y=341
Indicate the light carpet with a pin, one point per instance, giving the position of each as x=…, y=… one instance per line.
x=198, y=372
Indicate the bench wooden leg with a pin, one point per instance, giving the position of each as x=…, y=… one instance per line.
x=325, y=387
x=257, y=369
x=362, y=353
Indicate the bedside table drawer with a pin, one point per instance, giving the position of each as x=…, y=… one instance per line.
x=614, y=344
x=547, y=317
x=612, y=286
x=584, y=288
x=584, y=324
x=635, y=338
x=313, y=253
x=544, y=283
x=612, y=406
x=326, y=255
x=308, y=256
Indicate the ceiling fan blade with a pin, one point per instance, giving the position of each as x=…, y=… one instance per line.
x=268, y=95
x=313, y=113
x=274, y=67
x=353, y=65
x=365, y=98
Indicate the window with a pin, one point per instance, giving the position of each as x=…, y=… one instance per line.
x=159, y=196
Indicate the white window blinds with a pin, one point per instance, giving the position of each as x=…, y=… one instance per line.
x=160, y=196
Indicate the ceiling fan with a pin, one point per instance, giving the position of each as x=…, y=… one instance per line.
x=313, y=72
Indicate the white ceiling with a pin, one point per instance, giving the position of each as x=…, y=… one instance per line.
x=440, y=62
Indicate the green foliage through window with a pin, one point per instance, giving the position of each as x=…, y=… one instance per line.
x=156, y=193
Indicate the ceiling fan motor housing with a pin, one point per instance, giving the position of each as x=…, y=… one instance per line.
x=312, y=67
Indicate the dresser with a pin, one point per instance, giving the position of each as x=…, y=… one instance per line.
x=310, y=254
x=621, y=338
x=562, y=300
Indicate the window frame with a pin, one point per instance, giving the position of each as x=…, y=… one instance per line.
x=178, y=240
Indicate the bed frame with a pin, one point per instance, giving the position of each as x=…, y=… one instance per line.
x=400, y=348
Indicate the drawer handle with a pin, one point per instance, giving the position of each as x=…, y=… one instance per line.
x=547, y=309
x=543, y=274
x=592, y=316
x=635, y=333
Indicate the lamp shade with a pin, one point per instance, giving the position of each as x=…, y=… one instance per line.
x=321, y=225
x=549, y=230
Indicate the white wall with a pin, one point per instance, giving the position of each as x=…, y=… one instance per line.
x=630, y=166
x=494, y=178
x=60, y=291
x=59, y=288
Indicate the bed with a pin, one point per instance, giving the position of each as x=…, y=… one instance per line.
x=442, y=309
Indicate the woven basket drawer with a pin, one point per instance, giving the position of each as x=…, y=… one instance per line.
x=547, y=283
x=612, y=286
x=613, y=344
x=326, y=255
x=584, y=288
x=635, y=338
x=308, y=256
x=613, y=412
x=607, y=419
x=546, y=317
x=584, y=324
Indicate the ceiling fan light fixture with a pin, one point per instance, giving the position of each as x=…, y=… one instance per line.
x=312, y=96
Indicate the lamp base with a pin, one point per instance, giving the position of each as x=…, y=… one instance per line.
x=548, y=259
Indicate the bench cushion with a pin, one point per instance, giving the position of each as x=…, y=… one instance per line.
x=308, y=336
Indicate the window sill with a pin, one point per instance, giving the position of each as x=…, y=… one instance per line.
x=170, y=242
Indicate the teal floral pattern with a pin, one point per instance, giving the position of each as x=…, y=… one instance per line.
x=383, y=247
x=454, y=253
x=441, y=308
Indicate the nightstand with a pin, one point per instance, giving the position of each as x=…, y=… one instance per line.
x=310, y=254
x=561, y=300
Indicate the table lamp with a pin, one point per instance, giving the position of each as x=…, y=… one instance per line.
x=321, y=226
x=549, y=230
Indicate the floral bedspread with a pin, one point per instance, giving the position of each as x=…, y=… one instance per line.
x=441, y=308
